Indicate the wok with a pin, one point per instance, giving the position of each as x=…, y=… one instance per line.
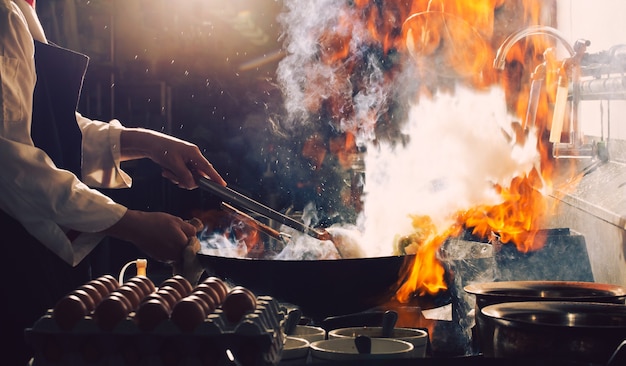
x=320, y=288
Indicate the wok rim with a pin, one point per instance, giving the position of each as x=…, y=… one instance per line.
x=387, y=257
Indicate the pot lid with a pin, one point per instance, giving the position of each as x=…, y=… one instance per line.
x=545, y=290
x=583, y=315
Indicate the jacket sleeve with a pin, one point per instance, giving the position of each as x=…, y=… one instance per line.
x=101, y=154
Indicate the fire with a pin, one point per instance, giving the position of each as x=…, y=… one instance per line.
x=517, y=218
x=445, y=40
x=523, y=208
x=426, y=274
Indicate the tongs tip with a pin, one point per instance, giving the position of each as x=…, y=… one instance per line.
x=321, y=234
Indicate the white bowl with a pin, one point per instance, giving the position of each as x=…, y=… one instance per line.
x=417, y=337
x=295, y=351
x=344, y=349
x=308, y=332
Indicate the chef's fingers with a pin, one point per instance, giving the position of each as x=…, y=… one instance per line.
x=197, y=223
x=189, y=229
x=204, y=168
x=184, y=180
x=186, y=177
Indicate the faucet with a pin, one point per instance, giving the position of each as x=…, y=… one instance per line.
x=500, y=60
x=570, y=68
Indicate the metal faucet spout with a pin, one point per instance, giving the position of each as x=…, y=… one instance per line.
x=499, y=61
x=569, y=72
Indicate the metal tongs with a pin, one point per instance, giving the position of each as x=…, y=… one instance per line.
x=241, y=201
x=282, y=237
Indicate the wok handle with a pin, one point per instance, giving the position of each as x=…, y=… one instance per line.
x=239, y=200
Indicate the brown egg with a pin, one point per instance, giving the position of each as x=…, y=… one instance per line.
x=150, y=314
x=218, y=285
x=130, y=294
x=185, y=282
x=69, y=311
x=247, y=291
x=124, y=299
x=172, y=290
x=209, y=290
x=136, y=288
x=158, y=297
x=206, y=307
x=109, y=281
x=85, y=298
x=111, y=310
x=188, y=313
x=170, y=297
x=93, y=292
x=172, y=284
x=208, y=300
x=100, y=286
x=145, y=283
x=153, y=295
x=179, y=283
x=237, y=304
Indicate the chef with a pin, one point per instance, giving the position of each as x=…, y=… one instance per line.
x=52, y=158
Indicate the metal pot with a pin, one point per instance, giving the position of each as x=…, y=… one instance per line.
x=586, y=333
x=320, y=288
x=522, y=291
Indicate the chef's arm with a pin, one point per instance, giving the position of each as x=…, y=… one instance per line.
x=179, y=159
x=106, y=144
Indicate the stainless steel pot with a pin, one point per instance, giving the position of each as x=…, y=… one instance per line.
x=522, y=291
x=585, y=333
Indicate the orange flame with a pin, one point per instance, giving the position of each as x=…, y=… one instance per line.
x=517, y=218
x=426, y=275
x=456, y=38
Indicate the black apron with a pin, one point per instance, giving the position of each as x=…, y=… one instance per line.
x=36, y=277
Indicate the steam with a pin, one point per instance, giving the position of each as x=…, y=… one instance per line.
x=218, y=244
x=307, y=81
x=303, y=25
x=369, y=103
x=460, y=145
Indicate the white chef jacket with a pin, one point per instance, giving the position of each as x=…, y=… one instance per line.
x=47, y=200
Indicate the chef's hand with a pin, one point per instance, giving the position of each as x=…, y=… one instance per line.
x=160, y=235
x=179, y=159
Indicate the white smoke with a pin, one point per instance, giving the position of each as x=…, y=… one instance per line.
x=303, y=23
x=219, y=244
x=459, y=147
x=307, y=81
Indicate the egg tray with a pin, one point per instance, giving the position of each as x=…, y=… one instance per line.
x=257, y=339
